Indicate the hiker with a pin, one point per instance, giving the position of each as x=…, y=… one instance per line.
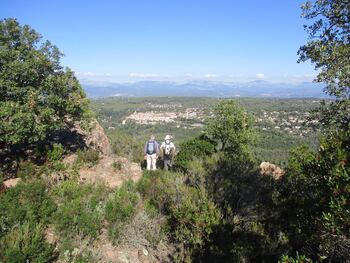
x=151, y=151
x=168, y=150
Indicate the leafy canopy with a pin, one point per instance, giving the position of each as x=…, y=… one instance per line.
x=37, y=96
x=329, y=43
x=231, y=128
x=328, y=49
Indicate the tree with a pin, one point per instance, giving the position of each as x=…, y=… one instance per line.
x=329, y=43
x=316, y=187
x=37, y=96
x=231, y=128
x=328, y=49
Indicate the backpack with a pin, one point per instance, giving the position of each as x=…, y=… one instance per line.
x=167, y=149
x=150, y=147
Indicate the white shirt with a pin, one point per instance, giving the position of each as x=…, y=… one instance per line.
x=167, y=148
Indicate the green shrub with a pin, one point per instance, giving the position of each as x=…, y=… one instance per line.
x=26, y=243
x=80, y=208
x=27, y=202
x=191, y=214
x=2, y=178
x=193, y=218
x=125, y=145
x=160, y=188
x=150, y=208
x=297, y=259
x=28, y=170
x=89, y=157
x=316, y=191
x=194, y=148
x=56, y=153
x=121, y=207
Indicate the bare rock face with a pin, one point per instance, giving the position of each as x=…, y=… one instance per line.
x=271, y=169
x=95, y=138
x=11, y=182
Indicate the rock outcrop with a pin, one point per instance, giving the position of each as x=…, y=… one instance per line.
x=271, y=169
x=95, y=138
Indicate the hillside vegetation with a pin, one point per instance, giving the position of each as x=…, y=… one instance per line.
x=215, y=206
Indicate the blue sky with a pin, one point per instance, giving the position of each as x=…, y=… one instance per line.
x=129, y=40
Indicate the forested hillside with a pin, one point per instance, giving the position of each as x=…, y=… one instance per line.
x=67, y=195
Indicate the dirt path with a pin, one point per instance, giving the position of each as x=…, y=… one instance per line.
x=111, y=170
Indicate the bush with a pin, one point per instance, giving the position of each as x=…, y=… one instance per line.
x=160, y=188
x=125, y=145
x=121, y=207
x=27, y=202
x=314, y=190
x=194, y=148
x=193, y=219
x=26, y=243
x=2, y=178
x=29, y=170
x=56, y=153
x=298, y=259
x=80, y=208
x=191, y=214
x=88, y=157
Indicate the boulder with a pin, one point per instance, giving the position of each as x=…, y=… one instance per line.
x=95, y=138
x=271, y=169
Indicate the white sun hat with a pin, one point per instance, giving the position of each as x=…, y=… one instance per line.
x=168, y=137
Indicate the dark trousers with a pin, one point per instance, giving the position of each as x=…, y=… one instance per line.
x=168, y=163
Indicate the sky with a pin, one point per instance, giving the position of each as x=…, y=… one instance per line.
x=174, y=40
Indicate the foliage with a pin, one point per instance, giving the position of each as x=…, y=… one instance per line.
x=125, y=145
x=193, y=148
x=231, y=128
x=193, y=219
x=88, y=157
x=297, y=259
x=328, y=47
x=24, y=210
x=37, y=96
x=80, y=208
x=56, y=153
x=2, y=177
x=26, y=243
x=317, y=188
x=27, y=170
x=191, y=214
x=121, y=207
x=27, y=202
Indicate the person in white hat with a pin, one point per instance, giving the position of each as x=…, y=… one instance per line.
x=168, y=150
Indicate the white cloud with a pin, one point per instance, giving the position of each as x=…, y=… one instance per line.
x=299, y=77
x=94, y=74
x=260, y=75
x=210, y=76
x=142, y=75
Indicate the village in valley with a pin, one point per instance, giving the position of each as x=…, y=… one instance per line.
x=288, y=120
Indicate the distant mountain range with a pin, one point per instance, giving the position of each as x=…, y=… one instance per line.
x=258, y=88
